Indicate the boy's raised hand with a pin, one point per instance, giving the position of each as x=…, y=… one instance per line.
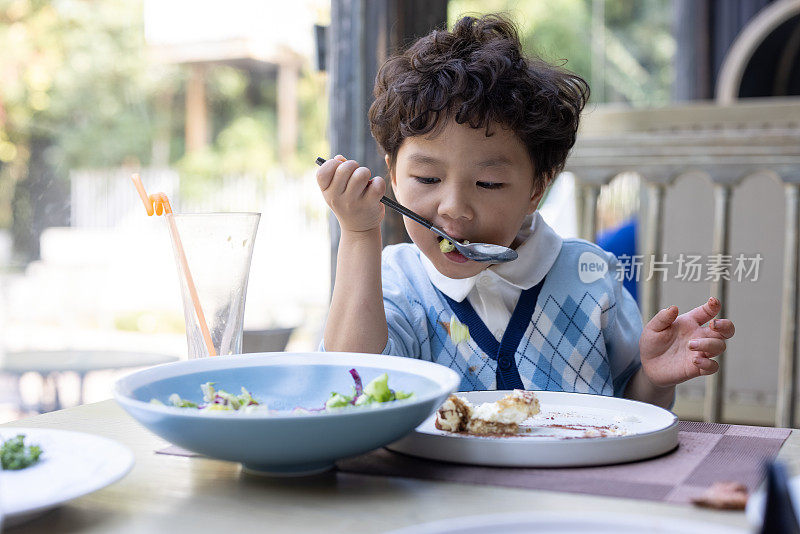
x=352, y=193
x=675, y=348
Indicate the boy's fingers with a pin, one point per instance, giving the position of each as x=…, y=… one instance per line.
x=663, y=319
x=706, y=312
x=358, y=182
x=711, y=346
x=325, y=174
x=342, y=176
x=722, y=327
x=706, y=366
x=376, y=188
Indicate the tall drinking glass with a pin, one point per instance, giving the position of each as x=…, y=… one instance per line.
x=218, y=249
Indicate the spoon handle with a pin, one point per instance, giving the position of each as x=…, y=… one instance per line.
x=407, y=212
x=398, y=207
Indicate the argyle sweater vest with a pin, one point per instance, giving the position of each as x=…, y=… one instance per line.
x=576, y=330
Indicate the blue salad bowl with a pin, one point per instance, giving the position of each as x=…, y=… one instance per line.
x=284, y=440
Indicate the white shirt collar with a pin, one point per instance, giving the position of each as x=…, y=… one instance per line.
x=537, y=254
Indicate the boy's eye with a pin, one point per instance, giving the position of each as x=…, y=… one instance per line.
x=491, y=185
x=426, y=180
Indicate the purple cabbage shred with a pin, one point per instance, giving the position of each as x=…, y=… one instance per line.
x=359, y=387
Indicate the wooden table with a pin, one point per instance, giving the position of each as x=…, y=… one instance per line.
x=177, y=494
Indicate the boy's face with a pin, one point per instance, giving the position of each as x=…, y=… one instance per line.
x=471, y=186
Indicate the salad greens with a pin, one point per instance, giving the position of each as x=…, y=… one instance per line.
x=15, y=455
x=216, y=400
x=376, y=391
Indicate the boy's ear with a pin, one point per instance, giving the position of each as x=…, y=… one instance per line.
x=534, y=204
x=536, y=197
x=389, y=171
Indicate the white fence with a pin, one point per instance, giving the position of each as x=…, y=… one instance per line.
x=105, y=198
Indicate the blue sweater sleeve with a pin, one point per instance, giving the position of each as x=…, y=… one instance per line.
x=622, y=333
x=404, y=320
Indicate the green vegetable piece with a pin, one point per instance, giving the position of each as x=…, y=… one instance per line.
x=364, y=400
x=378, y=389
x=14, y=455
x=446, y=246
x=178, y=402
x=338, y=400
x=208, y=391
x=246, y=398
x=399, y=395
x=458, y=331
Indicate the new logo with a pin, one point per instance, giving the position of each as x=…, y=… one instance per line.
x=591, y=267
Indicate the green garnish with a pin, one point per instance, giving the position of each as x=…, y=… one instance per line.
x=14, y=455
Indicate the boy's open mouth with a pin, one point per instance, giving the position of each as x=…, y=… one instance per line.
x=452, y=255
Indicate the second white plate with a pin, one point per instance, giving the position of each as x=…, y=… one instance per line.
x=72, y=464
x=573, y=429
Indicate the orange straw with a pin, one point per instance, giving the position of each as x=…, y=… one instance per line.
x=158, y=203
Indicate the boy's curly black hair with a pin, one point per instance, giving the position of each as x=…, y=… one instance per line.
x=478, y=75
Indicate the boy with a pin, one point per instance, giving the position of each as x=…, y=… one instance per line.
x=474, y=133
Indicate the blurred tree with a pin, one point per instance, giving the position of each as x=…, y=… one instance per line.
x=78, y=91
x=623, y=48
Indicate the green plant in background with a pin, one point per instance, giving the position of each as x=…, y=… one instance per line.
x=80, y=92
x=626, y=56
x=77, y=92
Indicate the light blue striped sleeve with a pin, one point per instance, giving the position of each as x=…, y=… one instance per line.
x=622, y=333
x=405, y=323
x=404, y=327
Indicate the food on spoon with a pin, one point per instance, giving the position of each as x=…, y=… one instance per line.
x=490, y=418
x=15, y=455
x=446, y=246
x=375, y=392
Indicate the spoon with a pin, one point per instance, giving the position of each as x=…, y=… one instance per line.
x=472, y=251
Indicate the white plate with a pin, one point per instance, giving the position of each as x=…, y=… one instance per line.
x=562, y=523
x=755, y=504
x=637, y=431
x=72, y=464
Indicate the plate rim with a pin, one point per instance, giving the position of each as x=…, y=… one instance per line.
x=411, y=441
x=522, y=439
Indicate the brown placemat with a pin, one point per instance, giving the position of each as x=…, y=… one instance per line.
x=706, y=453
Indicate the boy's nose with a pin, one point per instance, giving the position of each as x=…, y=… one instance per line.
x=455, y=204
